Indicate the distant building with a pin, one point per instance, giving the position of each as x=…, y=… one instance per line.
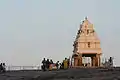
x=86, y=44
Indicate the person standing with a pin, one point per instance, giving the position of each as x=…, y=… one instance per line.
x=57, y=65
x=68, y=60
x=47, y=64
x=51, y=65
x=44, y=65
x=4, y=67
x=111, y=62
x=65, y=62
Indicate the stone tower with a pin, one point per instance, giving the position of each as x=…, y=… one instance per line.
x=86, y=44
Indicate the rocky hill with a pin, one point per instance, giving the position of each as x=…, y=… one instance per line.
x=69, y=74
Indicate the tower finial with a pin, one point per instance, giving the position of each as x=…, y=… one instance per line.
x=86, y=18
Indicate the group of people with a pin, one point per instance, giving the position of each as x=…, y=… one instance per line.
x=2, y=67
x=65, y=64
x=49, y=64
x=108, y=63
x=46, y=64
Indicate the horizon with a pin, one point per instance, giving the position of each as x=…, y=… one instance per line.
x=31, y=30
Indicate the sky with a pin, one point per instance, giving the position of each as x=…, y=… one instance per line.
x=33, y=29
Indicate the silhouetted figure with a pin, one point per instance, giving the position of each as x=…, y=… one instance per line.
x=1, y=67
x=4, y=69
x=51, y=62
x=44, y=65
x=111, y=61
x=57, y=64
x=51, y=65
x=47, y=64
x=61, y=65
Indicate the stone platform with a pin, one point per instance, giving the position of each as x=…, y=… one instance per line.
x=70, y=74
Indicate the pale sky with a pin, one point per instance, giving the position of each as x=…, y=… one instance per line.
x=33, y=29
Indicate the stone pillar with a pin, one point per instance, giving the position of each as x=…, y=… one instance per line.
x=80, y=59
x=75, y=62
x=96, y=60
x=93, y=61
x=99, y=61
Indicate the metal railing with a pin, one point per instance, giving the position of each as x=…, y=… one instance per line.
x=9, y=68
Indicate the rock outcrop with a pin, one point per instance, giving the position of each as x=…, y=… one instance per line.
x=70, y=74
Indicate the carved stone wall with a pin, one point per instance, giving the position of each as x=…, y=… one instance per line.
x=87, y=42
